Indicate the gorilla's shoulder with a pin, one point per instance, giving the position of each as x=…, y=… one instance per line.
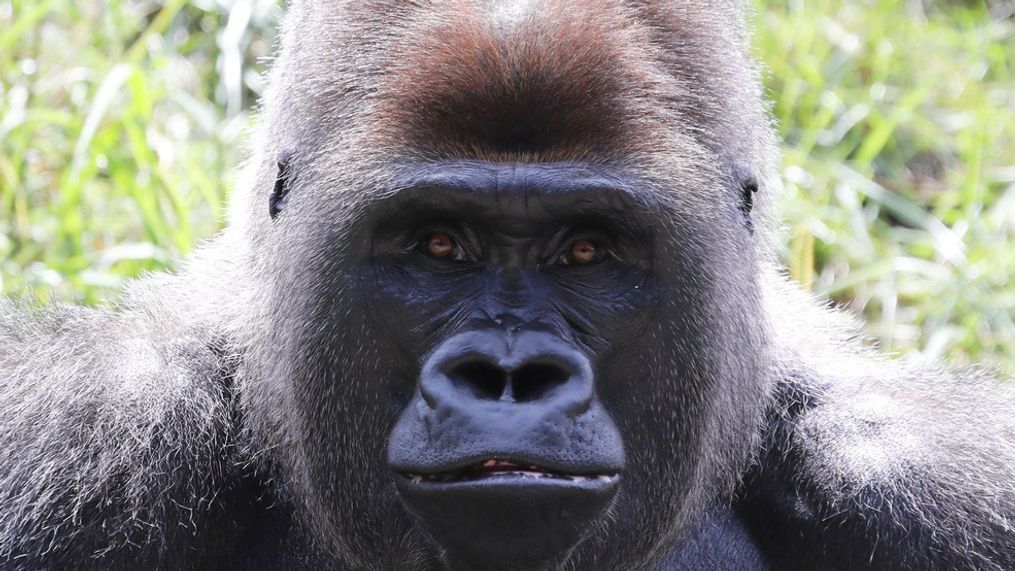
x=116, y=429
x=875, y=463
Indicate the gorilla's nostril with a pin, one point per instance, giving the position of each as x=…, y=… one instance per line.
x=482, y=379
x=535, y=380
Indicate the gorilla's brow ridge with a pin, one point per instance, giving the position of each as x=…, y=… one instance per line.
x=582, y=189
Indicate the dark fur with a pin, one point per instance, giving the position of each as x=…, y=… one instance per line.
x=196, y=423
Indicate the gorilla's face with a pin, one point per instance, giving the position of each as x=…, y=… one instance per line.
x=519, y=281
x=496, y=362
x=514, y=318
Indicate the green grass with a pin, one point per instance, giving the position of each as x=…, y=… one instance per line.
x=900, y=166
x=121, y=125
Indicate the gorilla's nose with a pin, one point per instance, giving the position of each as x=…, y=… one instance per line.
x=526, y=368
x=486, y=380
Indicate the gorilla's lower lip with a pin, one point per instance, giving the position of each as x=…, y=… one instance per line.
x=492, y=510
x=494, y=469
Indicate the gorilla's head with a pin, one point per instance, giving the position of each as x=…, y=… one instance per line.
x=511, y=311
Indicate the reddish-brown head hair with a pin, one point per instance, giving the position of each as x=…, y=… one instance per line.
x=553, y=80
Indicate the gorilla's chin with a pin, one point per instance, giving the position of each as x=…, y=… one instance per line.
x=508, y=519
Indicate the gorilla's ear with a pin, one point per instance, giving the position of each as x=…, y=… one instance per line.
x=747, y=183
x=283, y=183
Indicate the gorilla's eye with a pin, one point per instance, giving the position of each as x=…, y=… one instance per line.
x=442, y=246
x=583, y=252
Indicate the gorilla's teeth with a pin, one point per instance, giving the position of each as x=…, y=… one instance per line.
x=516, y=472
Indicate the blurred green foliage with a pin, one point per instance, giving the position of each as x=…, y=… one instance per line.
x=899, y=127
x=121, y=125
x=122, y=122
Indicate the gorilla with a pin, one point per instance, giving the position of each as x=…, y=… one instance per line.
x=497, y=291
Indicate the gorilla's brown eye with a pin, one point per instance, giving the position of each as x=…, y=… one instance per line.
x=440, y=245
x=584, y=252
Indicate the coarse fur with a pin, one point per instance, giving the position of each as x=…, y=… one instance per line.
x=224, y=415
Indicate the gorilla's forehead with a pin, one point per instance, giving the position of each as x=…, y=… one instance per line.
x=488, y=84
x=539, y=80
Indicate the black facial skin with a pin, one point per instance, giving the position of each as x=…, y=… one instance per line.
x=509, y=402
x=506, y=374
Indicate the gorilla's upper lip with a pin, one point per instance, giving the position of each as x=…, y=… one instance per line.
x=499, y=467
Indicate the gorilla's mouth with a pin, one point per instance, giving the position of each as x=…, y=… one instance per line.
x=487, y=509
x=493, y=468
